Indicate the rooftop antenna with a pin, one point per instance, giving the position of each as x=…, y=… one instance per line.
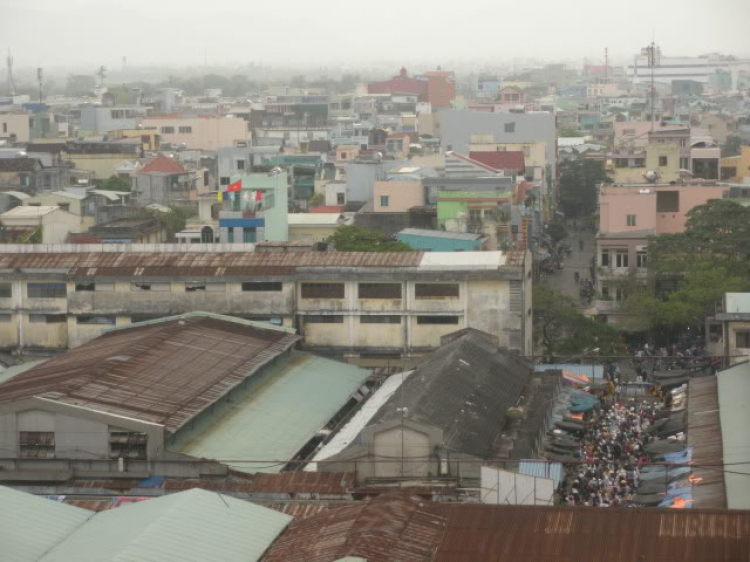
x=653, y=56
x=40, y=78
x=11, y=81
x=606, y=65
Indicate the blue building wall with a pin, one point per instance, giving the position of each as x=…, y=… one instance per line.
x=440, y=244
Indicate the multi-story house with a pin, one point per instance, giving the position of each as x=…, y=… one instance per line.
x=628, y=215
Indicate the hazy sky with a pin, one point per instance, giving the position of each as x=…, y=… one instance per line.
x=292, y=32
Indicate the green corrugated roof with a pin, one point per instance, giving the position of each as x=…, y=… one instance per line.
x=191, y=526
x=734, y=413
x=30, y=526
x=14, y=370
x=280, y=411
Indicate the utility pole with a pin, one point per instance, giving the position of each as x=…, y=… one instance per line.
x=606, y=65
x=39, y=77
x=653, y=57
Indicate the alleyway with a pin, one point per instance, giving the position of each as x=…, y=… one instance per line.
x=563, y=281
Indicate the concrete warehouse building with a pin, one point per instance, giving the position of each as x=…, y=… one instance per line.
x=173, y=397
x=367, y=305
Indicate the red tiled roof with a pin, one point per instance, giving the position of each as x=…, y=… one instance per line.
x=164, y=165
x=500, y=159
x=329, y=209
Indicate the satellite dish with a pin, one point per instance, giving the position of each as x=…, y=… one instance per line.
x=651, y=176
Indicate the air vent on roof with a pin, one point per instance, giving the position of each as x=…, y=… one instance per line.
x=119, y=358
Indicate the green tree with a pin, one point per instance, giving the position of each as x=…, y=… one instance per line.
x=356, y=239
x=556, y=230
x=732, y=147
x=317, y=200
x=569, y=132
x=717, y=233
x=80, y=85
x=114, y=183
x=578, y=183
x=561, y=329
x=689, y=305
x=174, y=221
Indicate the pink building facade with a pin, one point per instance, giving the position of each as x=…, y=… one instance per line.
x=628, y=215
x=397, y=196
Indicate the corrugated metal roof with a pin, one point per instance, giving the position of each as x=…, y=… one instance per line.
x=704, y=435
x=163, y=372
x=347, y=434
x=31, y=525
x=201, y=264
x=191, y=526
x=554, y=534
x=328, y=483
x=463, y=388
x=734, y=412
x=276, y=415
x=441, y=234
x=542, y=469
x=392, y=528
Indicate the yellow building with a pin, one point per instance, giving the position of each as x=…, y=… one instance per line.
x=736, y=168
x=150, y=138
x=628, y=165
x=314, y=227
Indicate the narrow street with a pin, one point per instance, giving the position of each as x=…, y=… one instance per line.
x=579, y=261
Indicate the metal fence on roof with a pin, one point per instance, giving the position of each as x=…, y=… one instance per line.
x=542, y=469
x=590, y=370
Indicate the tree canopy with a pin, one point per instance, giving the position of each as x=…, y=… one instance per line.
x=711, y=257
x=355, y=239
x=561, y=329
x=115, y=183
x=578, y=184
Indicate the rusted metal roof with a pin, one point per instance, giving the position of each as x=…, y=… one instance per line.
x=393, y=528
x=201, y=264
x=313, y=483
x=326, y=483
x=704, y=435
x=165, y=373
x=299, y=510
x=490, y=533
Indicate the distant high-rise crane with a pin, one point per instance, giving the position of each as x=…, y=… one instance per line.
x=11, y=81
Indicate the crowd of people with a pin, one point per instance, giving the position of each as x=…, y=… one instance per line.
x=612, y=447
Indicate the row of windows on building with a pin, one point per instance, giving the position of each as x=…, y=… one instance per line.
x=381, y=319
x=122, y=444
x=620, y=259
x=308, y=290
x=183, y=130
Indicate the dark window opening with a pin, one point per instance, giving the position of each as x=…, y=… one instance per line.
x=48, y=318
x=47, y=290
x=192, y=287
x=259, y=286
x=85, y=287
x=437, y=319
x=321, y=319
x=128, y=445
x=667, y=201
x=322, y=290
x=36, y=444
x=436, y=290
x=379, y=290
x=742, y=339
x=380, y=320
x=6, y=290
x=95, y=320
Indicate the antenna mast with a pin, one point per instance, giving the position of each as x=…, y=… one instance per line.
x=11, y=81
x=653, y=56
x=40, y=78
